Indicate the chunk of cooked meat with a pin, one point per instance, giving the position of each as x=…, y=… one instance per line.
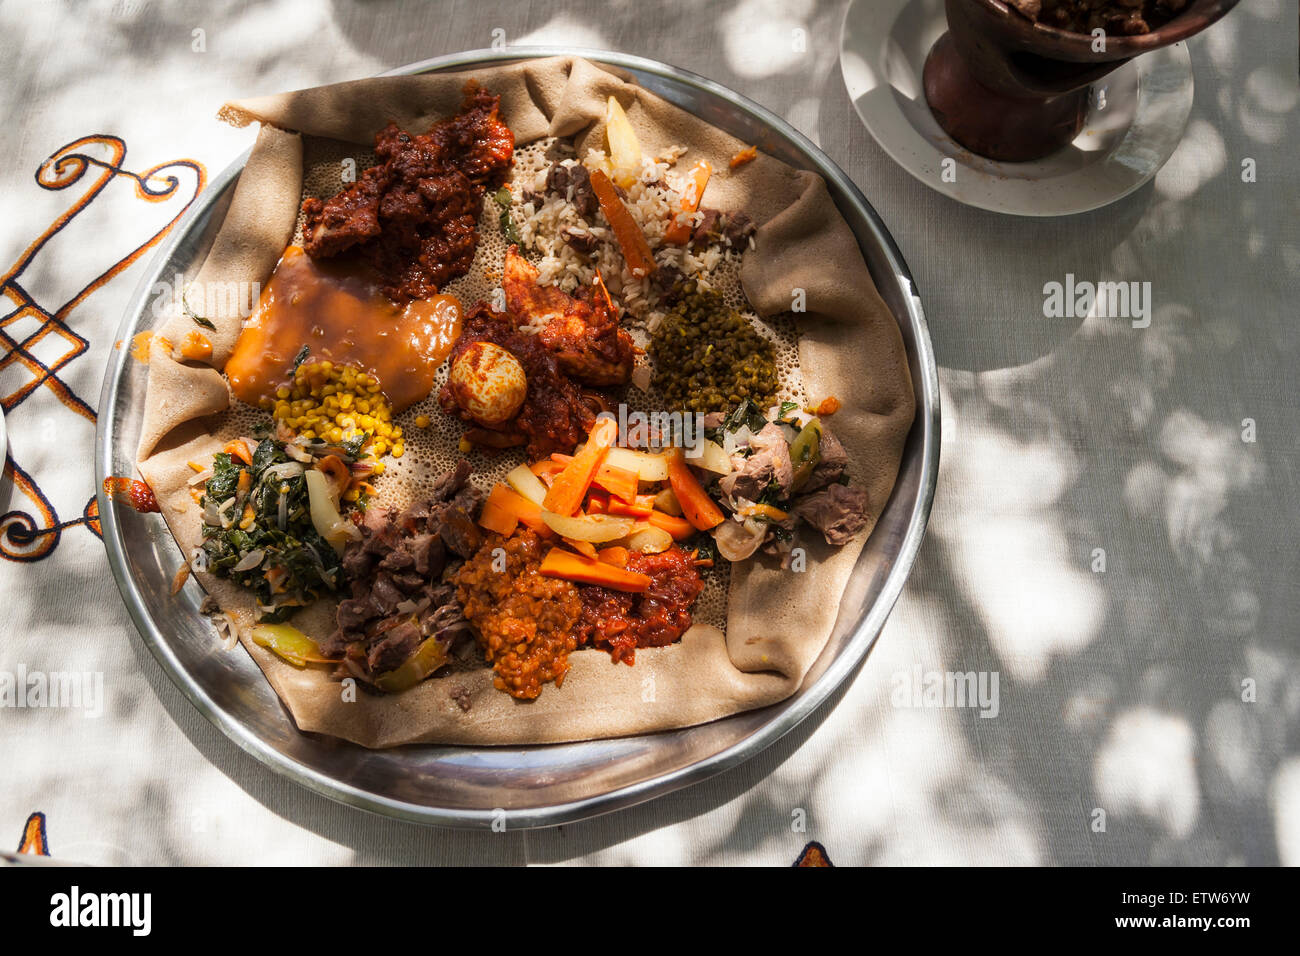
x=709, y=227
x=738, y=228
x=832, y=462
x=349, y=218
x=582, y=332
x=398, y=597
x=580, y=241
x=414, y=215
x=770, y=462
x=839, y=512
x=572, y=181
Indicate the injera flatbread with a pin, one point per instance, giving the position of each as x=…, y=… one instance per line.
x=849, y=346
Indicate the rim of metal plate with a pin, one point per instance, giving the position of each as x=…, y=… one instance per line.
x=659, y=78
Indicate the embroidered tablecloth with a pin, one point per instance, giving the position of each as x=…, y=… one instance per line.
x=1111, y=558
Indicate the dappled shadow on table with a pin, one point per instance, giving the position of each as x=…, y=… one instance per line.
x=1119, y=690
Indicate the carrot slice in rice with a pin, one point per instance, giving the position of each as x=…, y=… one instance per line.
x=678, y=232
x=631, y=240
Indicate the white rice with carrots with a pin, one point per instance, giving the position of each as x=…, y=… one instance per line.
x=541, y=219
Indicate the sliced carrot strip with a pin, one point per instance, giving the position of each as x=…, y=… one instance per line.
x=638, y=510
x=696, y=504
x=276, y=577
x=570, y=485
x=546, y=469
x=582, y=547
x=746, y=155
x=679, y=528
x=619, y=482
x=549, y=466
x=631, y=240
x=615, y=555
x=497, y=519
x=763, y=511
x=559, y=563
x=679, y=233
x=237, y=449
x=506, y=499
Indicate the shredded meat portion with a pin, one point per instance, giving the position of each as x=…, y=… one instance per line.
x=398, y=595
x=414, y=215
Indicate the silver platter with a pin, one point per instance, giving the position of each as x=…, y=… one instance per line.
x=536, y=786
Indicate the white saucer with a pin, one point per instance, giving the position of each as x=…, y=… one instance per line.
x=883, y=46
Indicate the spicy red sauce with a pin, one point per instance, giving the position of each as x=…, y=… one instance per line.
x=555, y=415
x=414, y=215
x=135, y=493
x=621, y=622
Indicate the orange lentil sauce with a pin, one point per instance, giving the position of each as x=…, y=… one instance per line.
x=524, y=622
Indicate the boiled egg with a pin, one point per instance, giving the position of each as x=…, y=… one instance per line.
x=489, y=383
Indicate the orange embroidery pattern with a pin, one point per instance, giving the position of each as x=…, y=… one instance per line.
x=32, y=535
x=34, y=840
x=814, y=854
